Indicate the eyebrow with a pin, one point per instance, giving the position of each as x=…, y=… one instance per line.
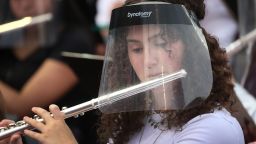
x=133, y=41
x=150, y=38
x=154, y=36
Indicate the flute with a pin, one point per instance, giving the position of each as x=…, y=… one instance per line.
x=239, y=44
x=96, y=103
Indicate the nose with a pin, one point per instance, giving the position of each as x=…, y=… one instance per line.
x=151, y=58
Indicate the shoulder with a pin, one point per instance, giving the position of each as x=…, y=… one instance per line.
x=217, y=127
x=76, y=40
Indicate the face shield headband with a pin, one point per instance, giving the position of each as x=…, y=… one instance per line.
x=148, y=41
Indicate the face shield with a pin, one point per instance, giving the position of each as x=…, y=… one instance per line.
x=27, y=21
x=148, y=41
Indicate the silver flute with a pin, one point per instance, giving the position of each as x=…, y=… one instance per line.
x=96, y=103
x=239, y=44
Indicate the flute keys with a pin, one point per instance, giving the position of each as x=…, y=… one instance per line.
x=11, y=125
x=36, y=117
x=63, y=108
x=2, y=129
x=81, y=114
x=20, y=123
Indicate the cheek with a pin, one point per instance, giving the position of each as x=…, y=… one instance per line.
x=171, y=63
x=176, y=57
x=138, y=66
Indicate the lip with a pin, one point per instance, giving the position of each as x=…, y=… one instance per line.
x=157, y=75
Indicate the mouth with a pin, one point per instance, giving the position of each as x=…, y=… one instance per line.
x=154, y=76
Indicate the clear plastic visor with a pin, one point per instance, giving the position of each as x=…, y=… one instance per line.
x=140, y=53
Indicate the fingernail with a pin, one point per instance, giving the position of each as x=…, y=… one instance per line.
x=34, y=109
x=53, y=105
x=25, y=117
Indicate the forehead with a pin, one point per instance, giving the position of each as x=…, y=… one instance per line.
x=143, y=30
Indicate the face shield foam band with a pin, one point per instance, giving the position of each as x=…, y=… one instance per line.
x=151, y=14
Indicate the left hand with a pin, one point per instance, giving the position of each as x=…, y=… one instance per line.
x=13, y=139
x=54, y=129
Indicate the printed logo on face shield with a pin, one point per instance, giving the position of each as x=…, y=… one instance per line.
x=139, y=14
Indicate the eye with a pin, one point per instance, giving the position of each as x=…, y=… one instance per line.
x=137, y=50
x=135, y=47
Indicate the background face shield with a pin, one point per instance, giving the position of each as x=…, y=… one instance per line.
x=27, y=20
x=146, y=51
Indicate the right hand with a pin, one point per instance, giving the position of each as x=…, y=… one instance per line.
x=14, y=139
x=54, y=129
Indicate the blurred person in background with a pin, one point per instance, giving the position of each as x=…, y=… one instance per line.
x=35, y=73
x=104, y=8
x=250, y=82
x=220, y=23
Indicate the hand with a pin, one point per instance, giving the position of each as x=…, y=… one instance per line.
x=14, y=139
x=54, y=129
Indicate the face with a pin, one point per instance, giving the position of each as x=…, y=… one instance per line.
x=23, y=8
x=152, y=53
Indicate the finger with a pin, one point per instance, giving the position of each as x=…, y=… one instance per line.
x=5, y=141
x=57, y=114
x=5, y=122
x=44, y=114
x=34, y=135
x=34, y=123
x=15, y=139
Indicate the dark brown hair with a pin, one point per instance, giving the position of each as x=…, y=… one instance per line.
x=121, y=126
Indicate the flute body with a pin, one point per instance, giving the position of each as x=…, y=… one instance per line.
x=96, y=103
x=69, y=112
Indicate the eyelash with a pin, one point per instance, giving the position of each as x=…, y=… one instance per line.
x=137, y=50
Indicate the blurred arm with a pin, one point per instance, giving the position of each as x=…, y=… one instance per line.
x=52, y=80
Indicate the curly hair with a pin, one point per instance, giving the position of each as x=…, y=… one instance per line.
x=120, y=126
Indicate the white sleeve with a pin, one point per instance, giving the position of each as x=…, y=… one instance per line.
x=104, y=8
x=211, y=129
